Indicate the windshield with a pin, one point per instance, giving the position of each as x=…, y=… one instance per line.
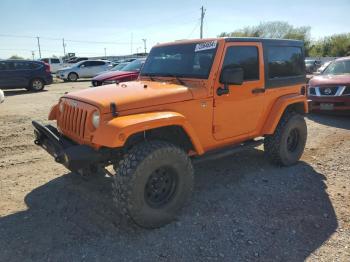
x=134, y=65
x=183, y=60
x=119, y=67
x=338, y=68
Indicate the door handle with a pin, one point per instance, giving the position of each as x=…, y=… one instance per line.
x=258, y=90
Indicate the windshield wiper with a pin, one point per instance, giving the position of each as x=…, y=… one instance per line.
x=177, y=79
x=149, y=75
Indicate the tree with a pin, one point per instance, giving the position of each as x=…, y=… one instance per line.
x=15, y=57
x=275, y=29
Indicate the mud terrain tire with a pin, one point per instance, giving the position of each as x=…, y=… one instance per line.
x=287, y=144
x=152, y=183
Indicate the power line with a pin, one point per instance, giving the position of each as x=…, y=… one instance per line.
x=194, y=28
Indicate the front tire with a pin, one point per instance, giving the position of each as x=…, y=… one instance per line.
x=36, y=85
x=152, y=183
x=286, y=145
x=73, y=77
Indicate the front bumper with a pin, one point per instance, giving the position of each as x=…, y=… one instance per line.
x=337, y=103
x=73, y=156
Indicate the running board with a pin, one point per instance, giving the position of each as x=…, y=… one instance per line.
x=220, y=153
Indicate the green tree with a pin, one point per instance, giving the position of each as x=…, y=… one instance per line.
x=15, y=57
x=274, y=29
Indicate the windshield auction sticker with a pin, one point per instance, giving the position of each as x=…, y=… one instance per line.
x=205, y=46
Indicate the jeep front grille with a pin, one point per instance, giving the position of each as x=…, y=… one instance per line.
x=328, y=91
x=72, y=121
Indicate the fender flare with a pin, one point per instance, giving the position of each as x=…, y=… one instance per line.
x=278, y=109
x=53, y=112
x=114, y=133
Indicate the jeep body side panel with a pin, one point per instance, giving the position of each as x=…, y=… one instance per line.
x=115, y=132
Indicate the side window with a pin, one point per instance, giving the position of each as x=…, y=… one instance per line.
x=246, y=57
x=3, y=66
x=85, y=64
x=285, y=61
x=98, y=63
x=46, y=60
x=55, y=61
x=20, y=65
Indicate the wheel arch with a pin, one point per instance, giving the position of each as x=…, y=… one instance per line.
x=168, y=126
x=294, y=102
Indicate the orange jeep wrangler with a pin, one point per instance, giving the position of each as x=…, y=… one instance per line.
x=194, y=100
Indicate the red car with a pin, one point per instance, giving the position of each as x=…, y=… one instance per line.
x=330, y=90
x=128, y=73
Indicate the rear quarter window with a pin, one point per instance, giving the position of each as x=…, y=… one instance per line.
x=285, y=61
x=55, y=61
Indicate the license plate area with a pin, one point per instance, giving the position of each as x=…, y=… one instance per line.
x=326, y=106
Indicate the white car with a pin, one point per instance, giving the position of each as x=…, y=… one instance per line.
x=55, y=63
x=2, y=96
x=84, y=69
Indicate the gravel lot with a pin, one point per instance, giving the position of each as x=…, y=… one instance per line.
x=242, y=209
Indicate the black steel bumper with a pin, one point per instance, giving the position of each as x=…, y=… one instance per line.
x=73, y=156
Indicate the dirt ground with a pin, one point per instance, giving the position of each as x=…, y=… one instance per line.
x=242, y=209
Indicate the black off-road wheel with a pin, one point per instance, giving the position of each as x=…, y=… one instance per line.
x=286, y=145
x=152, y=183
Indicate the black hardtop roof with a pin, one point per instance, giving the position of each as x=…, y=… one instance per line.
x=270, y=41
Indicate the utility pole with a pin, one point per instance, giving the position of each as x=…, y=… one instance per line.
x=33, y=54
x=144, y=44
x=202, y=18
x=64, y=47
x=131, y=43
x=105, y=53
x=39, y=46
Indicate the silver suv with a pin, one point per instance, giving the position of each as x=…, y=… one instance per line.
x=83, y=69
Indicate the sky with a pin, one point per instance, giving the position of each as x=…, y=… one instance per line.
x=91, y=28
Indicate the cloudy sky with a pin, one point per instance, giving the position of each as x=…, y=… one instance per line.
x=91, y=26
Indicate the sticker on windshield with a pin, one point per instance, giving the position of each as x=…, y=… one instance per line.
x=205, y=46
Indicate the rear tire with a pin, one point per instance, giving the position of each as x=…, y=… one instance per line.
x=73, y=77
x=152, y=183
x=36, y=85
x=286, y=145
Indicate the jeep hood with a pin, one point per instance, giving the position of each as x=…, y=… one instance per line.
x=132, y=95
x=330, y=80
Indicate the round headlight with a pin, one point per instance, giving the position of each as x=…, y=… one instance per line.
x=61, y=107
x=96, y=119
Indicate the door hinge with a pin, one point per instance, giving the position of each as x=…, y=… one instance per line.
x=215, y=129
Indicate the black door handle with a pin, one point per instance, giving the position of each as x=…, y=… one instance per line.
x=258, y=90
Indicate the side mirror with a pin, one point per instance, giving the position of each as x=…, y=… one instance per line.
x=230, y=75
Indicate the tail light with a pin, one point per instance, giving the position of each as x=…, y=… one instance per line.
x=47, y=68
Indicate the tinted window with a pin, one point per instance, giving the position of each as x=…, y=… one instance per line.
x=285, y=61
x=246, y=57
x=46, y=60
x=3, y=65
x=94, y=63
x=55, y=61
x=22, y=65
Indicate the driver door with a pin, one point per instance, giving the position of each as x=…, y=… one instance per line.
x=238, y=112
x=84, y=69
